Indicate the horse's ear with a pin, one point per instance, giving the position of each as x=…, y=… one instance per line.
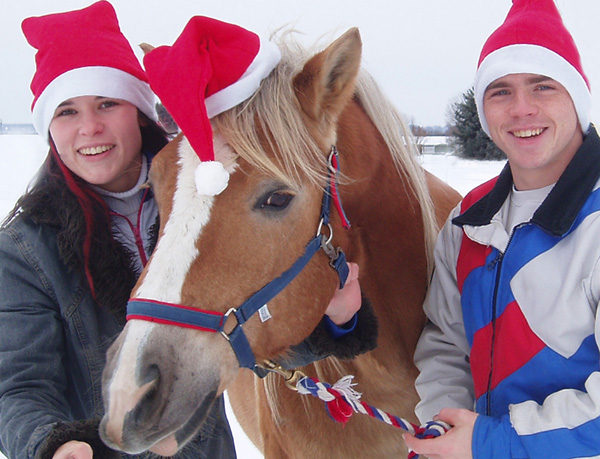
x=326, y=83
x=146, y=48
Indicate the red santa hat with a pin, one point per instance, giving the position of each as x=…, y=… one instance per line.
x=83, y=53
x=533, y=39
x=212, y=67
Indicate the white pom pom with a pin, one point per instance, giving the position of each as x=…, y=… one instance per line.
x=211, y=178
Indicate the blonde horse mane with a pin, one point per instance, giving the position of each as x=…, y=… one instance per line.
x=273, y=112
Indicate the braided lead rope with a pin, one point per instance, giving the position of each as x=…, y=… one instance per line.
x=341, y=401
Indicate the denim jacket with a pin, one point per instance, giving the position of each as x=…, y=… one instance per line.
x=53, y=342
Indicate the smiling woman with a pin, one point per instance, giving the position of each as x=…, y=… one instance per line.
x=99, y=140
x=74, y=244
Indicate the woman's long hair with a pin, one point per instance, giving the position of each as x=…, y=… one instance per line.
x=62, y=200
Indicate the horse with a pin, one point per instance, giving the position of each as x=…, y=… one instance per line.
x=213, y=253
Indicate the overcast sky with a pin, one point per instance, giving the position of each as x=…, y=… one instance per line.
x=422, y=52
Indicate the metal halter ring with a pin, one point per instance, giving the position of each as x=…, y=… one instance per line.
x=330, y=231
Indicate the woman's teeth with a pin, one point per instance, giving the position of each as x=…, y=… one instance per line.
x=90, y=151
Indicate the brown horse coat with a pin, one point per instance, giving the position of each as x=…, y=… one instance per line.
x=215, y=252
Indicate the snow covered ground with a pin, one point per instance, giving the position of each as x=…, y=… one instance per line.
x=22, y=155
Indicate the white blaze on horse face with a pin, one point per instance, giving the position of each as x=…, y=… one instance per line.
x=176, y=249
x=123, y=389
x=170, y=262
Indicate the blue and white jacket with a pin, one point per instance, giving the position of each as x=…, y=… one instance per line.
x=513, y=326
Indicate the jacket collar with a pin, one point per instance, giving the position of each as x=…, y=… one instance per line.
x=559, y=210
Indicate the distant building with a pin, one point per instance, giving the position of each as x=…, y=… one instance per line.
x=17, y=129
x=434, y=145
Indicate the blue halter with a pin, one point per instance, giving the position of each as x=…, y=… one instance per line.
x=212, y=321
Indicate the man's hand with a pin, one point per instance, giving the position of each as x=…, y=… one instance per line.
x=454, y=444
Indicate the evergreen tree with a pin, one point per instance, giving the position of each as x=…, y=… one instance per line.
x=468, y=138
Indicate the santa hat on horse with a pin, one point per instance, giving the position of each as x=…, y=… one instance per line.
x=534, y=39
x=83, y=53
x=212, y=67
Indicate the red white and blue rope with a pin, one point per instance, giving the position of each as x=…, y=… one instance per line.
x=342, y=401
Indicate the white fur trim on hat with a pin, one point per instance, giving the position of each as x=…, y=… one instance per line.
x=211, y=178
x=91, y=81
x=524, y=58
x=264, y=62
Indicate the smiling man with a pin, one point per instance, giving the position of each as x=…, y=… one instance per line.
x=510, y=355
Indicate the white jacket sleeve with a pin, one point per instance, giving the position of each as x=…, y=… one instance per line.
x=442, y=351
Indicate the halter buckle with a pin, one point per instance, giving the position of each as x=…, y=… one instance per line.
x=291, y=377
x=225, y=317
x=332, y=252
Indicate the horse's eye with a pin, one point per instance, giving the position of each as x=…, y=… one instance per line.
x=277, y=201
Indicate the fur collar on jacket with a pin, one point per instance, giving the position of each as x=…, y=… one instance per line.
x=51, y=203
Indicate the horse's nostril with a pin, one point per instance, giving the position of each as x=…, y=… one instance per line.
x=148, y=374
x=148, y=407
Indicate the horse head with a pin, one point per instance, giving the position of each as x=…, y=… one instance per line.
x=214, y=253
